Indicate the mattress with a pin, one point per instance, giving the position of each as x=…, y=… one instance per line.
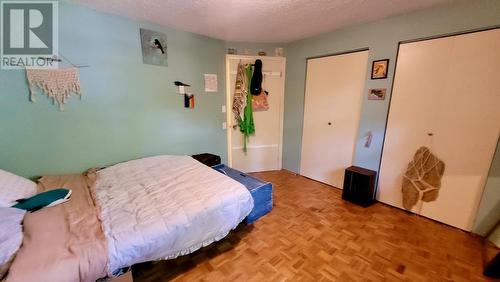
x=165, y=206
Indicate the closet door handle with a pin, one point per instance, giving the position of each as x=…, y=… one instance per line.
x=329, y=123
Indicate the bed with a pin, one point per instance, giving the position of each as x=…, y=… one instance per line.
x=149, y=209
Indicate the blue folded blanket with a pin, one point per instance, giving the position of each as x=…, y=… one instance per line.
x=44, y=199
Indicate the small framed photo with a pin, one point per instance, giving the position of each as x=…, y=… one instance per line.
x=377, y=94
x=380, y=68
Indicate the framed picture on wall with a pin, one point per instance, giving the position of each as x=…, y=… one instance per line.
x=380, y=68
x=154, y=47
x=377, y=94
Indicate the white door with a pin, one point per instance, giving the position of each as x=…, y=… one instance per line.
x=334, y=91
x=264, y=148
x=448, y=87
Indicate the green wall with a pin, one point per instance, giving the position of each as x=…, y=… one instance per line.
x=129, y=109
x=382, y=38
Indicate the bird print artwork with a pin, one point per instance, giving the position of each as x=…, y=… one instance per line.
x=154, y=47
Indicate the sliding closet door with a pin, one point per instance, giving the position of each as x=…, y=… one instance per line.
x=446, y=96
x=334, y=90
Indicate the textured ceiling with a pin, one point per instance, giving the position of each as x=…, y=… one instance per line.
x=258, y=20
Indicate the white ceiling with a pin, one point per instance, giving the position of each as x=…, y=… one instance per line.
x=258, y=20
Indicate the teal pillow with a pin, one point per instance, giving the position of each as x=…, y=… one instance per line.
x=45, y=199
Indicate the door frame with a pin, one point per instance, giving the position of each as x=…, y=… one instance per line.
x=229, y=103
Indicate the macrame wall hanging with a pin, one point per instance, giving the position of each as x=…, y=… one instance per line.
x=57, y=84
x=422, y=179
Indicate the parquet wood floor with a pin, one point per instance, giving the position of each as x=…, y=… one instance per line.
x=313, y=235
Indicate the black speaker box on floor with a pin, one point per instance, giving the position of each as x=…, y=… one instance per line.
x=359, y=186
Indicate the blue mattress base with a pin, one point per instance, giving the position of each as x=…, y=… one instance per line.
x=262, y=192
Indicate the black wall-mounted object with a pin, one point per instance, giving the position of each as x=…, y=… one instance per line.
x=359, y=186
x=180, y=83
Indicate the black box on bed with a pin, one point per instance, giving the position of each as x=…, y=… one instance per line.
x=207, y=159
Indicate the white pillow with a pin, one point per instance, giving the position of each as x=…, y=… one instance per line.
x=14, y=187
x=11, y=236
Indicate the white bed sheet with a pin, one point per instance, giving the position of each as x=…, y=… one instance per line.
x=166, y=206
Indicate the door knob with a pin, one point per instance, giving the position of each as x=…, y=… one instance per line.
x=329, y=123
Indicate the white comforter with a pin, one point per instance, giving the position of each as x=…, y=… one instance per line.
x=165, y=206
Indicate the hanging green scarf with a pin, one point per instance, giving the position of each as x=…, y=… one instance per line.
x=247, y=126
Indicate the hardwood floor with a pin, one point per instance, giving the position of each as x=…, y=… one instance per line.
x=313, y=235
